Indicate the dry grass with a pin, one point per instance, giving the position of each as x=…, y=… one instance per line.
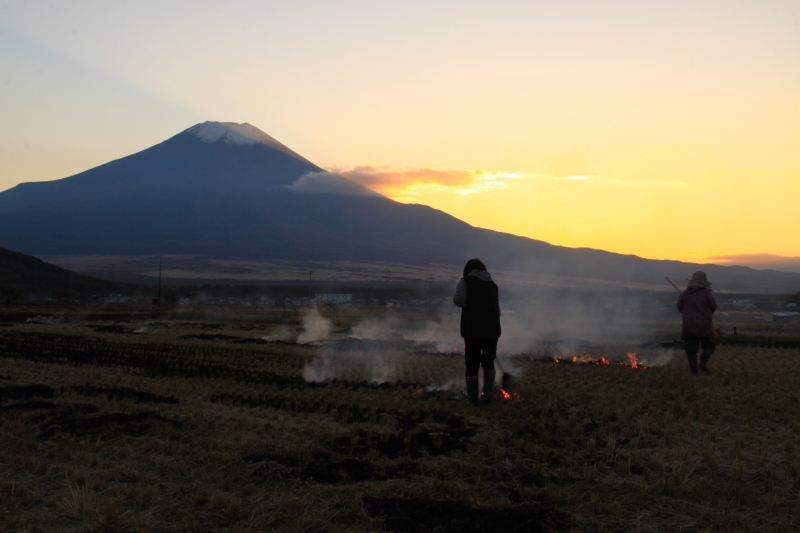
x=164, y=433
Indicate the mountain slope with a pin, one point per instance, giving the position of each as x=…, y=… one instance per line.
x=230, y=191
x=25, y=274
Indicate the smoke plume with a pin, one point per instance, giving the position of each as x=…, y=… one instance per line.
x=315, y=327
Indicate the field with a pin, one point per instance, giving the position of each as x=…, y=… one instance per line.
x=191, y=269
x=207, y=426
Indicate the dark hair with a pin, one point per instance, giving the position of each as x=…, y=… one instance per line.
x=473, y=264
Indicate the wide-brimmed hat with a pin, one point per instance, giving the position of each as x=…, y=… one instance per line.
x=699, y=279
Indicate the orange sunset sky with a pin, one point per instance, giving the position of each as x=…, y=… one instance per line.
x=669, y=130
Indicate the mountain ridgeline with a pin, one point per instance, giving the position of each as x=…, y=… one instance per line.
x=24, y=275
x=228, y=190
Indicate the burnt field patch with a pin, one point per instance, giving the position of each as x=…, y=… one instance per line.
x=154, y=432
x=24, y=392
x=155, y=359
x=418, y=516
x=122, y=393
x=326, y=468
x=113, y=424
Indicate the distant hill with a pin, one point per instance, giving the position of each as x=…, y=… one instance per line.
x=230, y=191
x=24, y=275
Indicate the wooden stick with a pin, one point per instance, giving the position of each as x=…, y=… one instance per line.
x=676, y=287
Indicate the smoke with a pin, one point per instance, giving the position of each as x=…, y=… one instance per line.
x=39, y=319
x=283, y=334
x=375, y=329
x=315, y=327
x=319, y=370
x=60, y=318
x=440, y=335
x=443, y=335
x=537, y=323
x=658, y=357
x=373, y=367
x=378, y=364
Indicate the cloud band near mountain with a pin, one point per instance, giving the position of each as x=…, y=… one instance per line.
x=387, y=180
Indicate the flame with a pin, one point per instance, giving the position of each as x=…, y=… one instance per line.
x=510, y=396
x=420, y=390
x=585, y=358
x=635, y=361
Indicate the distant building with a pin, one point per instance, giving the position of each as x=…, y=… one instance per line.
x=741, y=304
x=334, y=298
x=779, y=318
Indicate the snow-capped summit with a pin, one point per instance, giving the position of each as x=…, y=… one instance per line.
x=233, y=133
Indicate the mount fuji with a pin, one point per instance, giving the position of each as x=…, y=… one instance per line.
x=226, y=190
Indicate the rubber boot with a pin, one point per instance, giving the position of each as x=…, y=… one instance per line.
x=704, y=357
x=692, y=362
x=472, y=390
x=488, y=385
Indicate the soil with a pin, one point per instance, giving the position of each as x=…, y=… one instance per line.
x=329, y=469
x=210, y=337
x=122, y=393
x=132, y=424
x=24, y=392
x=417, y=516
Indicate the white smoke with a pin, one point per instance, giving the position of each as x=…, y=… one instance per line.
x=375, y=329
x=315, y=327
x=319, y=370
x=374, y=368
x=442, y=334
x=659, y=357
x=538, y=324
x=283, y=334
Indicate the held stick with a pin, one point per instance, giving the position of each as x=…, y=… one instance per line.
x=676, y=287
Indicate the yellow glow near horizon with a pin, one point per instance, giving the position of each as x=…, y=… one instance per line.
x=661, y=129
x=682, y=218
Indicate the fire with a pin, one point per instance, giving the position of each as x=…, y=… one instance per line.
x=420, y=390
x=510, y=396
x=585, y=358
x=635, y=361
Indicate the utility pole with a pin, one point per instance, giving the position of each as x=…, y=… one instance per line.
x=158, y=301
x=430, y=294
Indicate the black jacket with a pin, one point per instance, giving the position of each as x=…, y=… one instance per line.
x=477, y=295
x=697, y=305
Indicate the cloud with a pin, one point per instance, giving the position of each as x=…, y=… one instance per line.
x=758, y=261
x=388, y=180
x=575, y=178
x=328, y=183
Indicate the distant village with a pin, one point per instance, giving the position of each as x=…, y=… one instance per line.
x=770, y=308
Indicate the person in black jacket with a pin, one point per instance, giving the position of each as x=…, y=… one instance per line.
x=477, y=296
x=696, y=305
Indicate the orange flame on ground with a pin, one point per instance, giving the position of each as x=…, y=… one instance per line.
x=510, y=396
x=588, y=359
x=635, y=361
x=420, y=390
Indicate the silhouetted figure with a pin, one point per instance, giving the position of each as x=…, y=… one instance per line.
x=696, y=305
x=477, y=296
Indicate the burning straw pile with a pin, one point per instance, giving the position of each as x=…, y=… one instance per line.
x=586, y=359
